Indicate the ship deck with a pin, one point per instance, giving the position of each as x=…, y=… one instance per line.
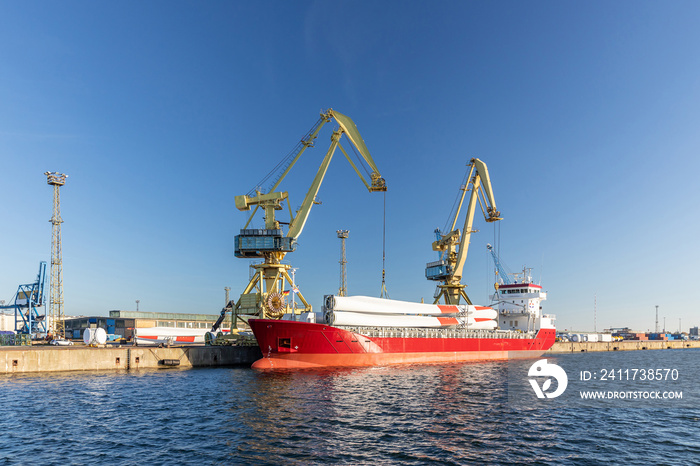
x=400, y=332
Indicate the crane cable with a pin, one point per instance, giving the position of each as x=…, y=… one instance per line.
x=286, y=160
x=453, y=212
x=384, y=294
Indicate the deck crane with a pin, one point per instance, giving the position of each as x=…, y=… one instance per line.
x=454, y=245
x=505, y=278
x=265, y=293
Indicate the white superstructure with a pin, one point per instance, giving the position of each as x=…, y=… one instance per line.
x=519, y=305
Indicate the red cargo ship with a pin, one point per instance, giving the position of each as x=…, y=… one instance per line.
x=290, y=344
x=408, y=333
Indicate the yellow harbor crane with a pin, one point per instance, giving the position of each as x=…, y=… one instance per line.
x=454, y=245
x=265, y=294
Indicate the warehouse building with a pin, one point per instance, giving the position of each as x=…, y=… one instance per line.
x=123, y=322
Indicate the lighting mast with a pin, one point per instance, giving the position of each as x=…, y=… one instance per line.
x=595, y=312
x=657, y=321
x=343, y=291
x=57, y=324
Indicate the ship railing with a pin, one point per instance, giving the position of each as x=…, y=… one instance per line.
x=398, y=332
x=509, y=312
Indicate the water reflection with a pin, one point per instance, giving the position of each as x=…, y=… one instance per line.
x=394, y=413
x=446, y=414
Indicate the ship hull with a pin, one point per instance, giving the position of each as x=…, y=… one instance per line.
x=290, y=345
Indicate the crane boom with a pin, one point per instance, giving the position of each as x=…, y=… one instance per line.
x=264, y=294
x=306, y=142
x=454, y=245
x=272, y=201
x=500, y=270
x=377, y=183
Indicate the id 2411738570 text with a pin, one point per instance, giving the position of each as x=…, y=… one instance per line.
x=630, y=374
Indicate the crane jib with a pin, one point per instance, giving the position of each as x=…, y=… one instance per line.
x=454, y=245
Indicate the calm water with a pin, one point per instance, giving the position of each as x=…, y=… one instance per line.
x=442, y=414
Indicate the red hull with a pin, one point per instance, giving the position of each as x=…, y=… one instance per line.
x=287, y=344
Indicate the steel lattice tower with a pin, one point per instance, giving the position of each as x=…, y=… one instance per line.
x=343, y=291
x=57, y=324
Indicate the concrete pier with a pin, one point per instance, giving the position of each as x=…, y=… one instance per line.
x=625, y=345
x=27, y=359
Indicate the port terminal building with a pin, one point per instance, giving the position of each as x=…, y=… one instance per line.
x=124, y=322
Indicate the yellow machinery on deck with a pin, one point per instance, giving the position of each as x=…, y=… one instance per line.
x=454, y=245
x=266, y=293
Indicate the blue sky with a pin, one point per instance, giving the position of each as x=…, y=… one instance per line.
x=161, y=112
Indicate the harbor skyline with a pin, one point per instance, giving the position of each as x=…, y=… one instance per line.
x=161, y=113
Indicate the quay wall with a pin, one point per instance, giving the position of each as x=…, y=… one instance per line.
x=28, y=359
x=24, y=359
x=625, y=345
